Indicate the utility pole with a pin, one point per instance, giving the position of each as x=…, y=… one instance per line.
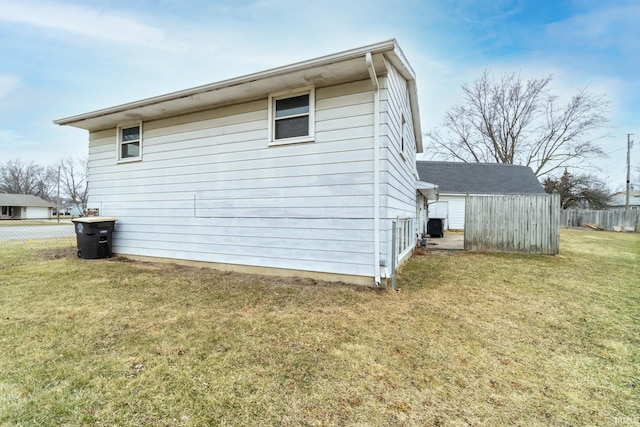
x=629, y=143
x=58, y=198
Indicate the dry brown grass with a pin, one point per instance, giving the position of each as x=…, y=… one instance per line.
x=470, y=339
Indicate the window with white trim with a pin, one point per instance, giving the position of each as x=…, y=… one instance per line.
x=403, y=138
x=292, y=116
x=130, y=142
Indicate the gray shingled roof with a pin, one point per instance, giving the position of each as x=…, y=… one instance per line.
x=23, y=200
x=479, y=178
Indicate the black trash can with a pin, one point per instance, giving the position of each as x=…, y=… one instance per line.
x=435, y=227
x=94, y=234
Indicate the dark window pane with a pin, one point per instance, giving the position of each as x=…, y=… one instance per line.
x=289, y=128
x=130, y=150
x=131, y=134
x=292, y=106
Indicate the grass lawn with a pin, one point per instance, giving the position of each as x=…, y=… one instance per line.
x=470, y=339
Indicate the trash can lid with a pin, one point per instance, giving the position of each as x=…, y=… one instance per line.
x=89, y=219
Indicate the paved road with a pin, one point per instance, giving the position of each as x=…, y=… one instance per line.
x=33, y=232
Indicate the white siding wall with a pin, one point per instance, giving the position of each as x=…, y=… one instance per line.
x=452, y=207
x=210, y=189
x=398, y=181
x=422, y=212
x=456, y=212
x=440, y=209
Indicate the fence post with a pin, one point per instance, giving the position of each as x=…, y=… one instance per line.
x=554, y=215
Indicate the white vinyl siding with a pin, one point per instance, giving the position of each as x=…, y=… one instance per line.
x=456, y=213
x=451, y=208
x=397, y=159
x=440, y=209
x=403, y=137
x=211, y=188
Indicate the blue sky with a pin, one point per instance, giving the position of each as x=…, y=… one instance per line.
x=60, y=58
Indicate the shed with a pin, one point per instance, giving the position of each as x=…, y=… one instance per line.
x=298, y=170
x=457, y=179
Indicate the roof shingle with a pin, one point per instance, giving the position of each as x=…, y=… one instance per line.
x=23, y=200
x=479, y=178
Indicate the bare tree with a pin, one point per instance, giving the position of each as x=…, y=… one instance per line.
x=21, y=178
x=518, y=122
x=73, y=180
x=579, y=191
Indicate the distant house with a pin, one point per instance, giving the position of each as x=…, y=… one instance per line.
x=456, y=179
x=297, y=170
x=72, y=209
x=24, y=206
x=619, y=200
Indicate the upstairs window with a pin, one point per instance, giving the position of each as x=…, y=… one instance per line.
x=291, y=117
x=130, y=142
x=403, y=136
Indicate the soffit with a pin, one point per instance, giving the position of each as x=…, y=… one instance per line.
x=326, y=71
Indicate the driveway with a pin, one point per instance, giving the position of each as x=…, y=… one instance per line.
x=450, y=241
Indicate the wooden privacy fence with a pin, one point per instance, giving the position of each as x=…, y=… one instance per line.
x=513, y=223
x=610, y=220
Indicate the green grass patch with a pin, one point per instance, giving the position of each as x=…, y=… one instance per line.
x=470, y=339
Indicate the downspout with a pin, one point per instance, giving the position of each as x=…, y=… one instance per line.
x=376, y=166
x=435, y=201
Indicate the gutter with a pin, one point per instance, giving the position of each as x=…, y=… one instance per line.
x=376, y=167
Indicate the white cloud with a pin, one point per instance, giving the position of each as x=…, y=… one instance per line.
x=609, y=26
x=485, y=12
x=82, y=21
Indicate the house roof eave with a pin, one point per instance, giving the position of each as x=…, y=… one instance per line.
x=331, y=69
x=427, y=189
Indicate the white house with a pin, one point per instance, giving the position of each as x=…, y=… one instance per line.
x=619, y=200
x=297, y=170
x=457, y=179
x=24, y=206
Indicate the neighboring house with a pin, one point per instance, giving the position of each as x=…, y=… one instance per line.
x=24, y=206
x=619, y=200
x=297, y=170
x=72, y=209
x=456, y=179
